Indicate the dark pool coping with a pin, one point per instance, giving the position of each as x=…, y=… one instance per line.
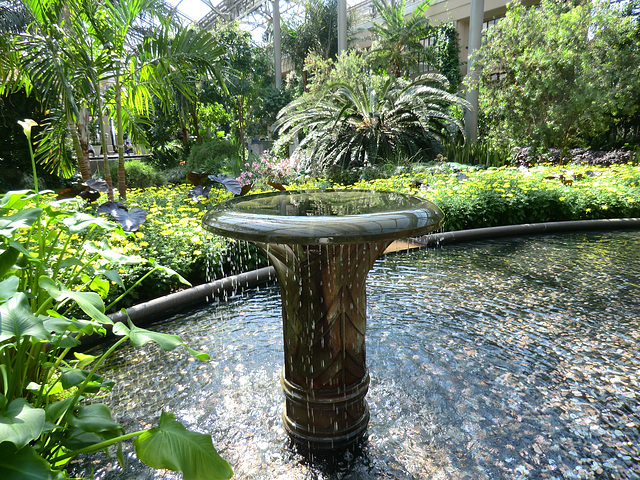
x=163, y=307
x=475, y=234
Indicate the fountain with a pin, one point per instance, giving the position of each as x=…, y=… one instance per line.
x=322, y=244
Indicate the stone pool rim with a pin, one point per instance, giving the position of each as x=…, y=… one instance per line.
x=166, y=306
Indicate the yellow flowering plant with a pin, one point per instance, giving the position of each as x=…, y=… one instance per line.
x=172, y=235
x=476, y=198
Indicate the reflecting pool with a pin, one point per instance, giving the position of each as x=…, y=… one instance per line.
x=515, y=359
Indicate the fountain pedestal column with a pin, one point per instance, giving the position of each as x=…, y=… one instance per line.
x=322, y=244
x=325, y=377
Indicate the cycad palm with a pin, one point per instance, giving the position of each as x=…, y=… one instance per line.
x=349, y=126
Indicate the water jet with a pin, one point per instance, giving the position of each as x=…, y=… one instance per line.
x=322, y=244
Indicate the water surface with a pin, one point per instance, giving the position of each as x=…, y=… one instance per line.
x=514, y=359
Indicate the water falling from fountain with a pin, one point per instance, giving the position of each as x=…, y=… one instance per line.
x=322, y=244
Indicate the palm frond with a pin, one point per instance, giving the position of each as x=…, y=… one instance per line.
x=351, y=125
x=50, y=146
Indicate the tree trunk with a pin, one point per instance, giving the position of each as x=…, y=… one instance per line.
x=185, y=135
x=194, y=118
x=82, y=152
x=83, y=135
x=105, y=155
x=122, y=185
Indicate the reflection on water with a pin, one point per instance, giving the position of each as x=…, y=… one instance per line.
x=515, y=359
x=317, y=203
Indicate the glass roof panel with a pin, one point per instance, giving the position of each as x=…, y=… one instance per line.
x=192, y=10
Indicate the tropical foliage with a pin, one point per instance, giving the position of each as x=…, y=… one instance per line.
x=55, y=272
x=249, y=74
x=561, y=75
x=398, y=49
x=70, y=52
x=54, y=275
x=357, y=125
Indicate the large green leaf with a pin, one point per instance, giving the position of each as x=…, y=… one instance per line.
x=16, y=320
x=57, y=409
x=77, y=440
x=81, y=221
x=70, y=262
x=24, y=250
x=112, y=275
x=25, y=464
x=8, y=259
x=100, y=286
x=72, y=377
x=89, y=302
x=20, y=423
x=8, y=288
x=15, y=199
x=93, y=418
x=169, y=271
x=170, y=445
x=22, y=219
x=111, y=255
x=62, y=326
x=140, y=336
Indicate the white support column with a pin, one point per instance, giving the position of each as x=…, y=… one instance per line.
x=277, y=53
x=342, y=26
x=476, y=20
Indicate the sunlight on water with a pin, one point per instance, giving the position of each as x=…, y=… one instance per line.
x=515, y=359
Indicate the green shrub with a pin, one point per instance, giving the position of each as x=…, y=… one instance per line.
x=168, y=155
x=479, y=153
x=139, y=174
x=568, y=76
x=215, y=155
x=506, y=196
x=176, y=174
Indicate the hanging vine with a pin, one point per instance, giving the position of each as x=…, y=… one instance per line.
x=447, y=49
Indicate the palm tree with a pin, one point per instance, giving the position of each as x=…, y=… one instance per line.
x=39, y=58
x=349, y=125
x=72, y=49
x=398, y=48
x=164, y=59
x=13, y=19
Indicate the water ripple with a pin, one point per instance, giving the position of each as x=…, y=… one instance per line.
x=514, y=359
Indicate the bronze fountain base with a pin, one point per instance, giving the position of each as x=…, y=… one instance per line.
x=322, y=244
